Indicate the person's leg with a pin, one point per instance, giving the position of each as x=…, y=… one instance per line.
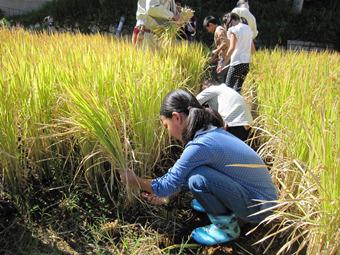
x=218, y=193
x=222, y=76
x=231, y=77
x=134, y=35
x=210, y=190
x=241, y=72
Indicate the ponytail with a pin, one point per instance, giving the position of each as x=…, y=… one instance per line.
x=200, y=118
x=197, y=116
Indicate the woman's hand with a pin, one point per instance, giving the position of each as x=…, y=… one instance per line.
x=219, y=68
x=153, y=199
x=129, y=178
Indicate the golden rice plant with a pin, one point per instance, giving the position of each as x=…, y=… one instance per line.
x=168, y=32
x=298, y=98
x=27, y=94
x=76, y=101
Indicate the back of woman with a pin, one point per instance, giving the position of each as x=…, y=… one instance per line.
x=242, y=52
x=226, y=153
x=239, y=52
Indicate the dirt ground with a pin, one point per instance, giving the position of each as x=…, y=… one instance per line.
x=175, y=221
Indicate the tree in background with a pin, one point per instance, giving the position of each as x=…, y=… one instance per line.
x=318, y=20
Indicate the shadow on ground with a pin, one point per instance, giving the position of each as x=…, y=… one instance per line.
x=16, y=238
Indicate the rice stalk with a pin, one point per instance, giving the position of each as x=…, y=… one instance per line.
x=298, y=100
x=169, y=31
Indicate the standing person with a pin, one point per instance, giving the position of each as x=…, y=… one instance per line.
x=239, y=53
x=221, y=43
x=150, y=14
x=242, y=10
x=224, y=174
x=230, y=105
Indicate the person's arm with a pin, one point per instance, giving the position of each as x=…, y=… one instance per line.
x=253, y=49
x=255, y=31
x=194, y=155
x=224, y=42
x=129, y=178
x=232, y=46
x=155, y=9
x=175, y=178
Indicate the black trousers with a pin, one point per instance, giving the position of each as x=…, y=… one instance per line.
x=240, y=132
x=236, y=76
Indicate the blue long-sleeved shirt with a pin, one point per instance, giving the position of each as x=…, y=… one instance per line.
x=222, y=151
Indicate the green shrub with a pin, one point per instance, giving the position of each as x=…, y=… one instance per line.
x=276, y=24
x=4, y=22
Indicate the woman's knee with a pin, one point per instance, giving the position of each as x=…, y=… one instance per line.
x=197, y=182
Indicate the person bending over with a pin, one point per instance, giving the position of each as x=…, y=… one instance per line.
x=230, y=105
x=225, y=176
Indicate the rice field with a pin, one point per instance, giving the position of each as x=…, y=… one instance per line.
x=90, y=94
x=298, y=106
x=77, y=109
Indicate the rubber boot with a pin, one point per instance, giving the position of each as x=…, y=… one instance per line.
x=223, y=229
x=197, y=206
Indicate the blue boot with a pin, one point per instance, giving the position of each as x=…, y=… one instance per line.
x=223, y=229
x=197, y=206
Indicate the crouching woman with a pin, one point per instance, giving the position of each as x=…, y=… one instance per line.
x=225, y=175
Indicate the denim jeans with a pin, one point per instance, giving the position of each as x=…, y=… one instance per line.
x=221, y=195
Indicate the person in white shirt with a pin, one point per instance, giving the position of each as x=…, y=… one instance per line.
x=230, y=105
x=242, y=10
x=150, y=14
x=239, y=53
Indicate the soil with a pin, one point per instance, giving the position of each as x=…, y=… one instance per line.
x=175, y=221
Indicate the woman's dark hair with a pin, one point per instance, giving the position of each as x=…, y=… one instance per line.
x=228, y=18
x=209, y=19
x=198, y=117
